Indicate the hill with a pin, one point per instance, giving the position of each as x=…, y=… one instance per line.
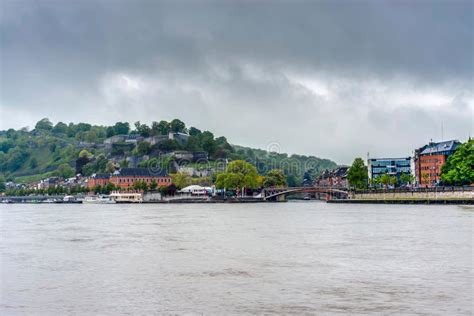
x=65, y=149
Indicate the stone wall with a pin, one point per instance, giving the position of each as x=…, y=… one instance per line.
x=414, y=195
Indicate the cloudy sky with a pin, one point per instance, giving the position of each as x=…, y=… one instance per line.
x=334, y=79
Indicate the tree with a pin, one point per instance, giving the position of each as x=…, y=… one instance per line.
x=88, y=169
x=193, y=131
x=60, y=128
x=181, y=180
x=90, y=137
x=238, y=174
x=83, y=127
x=110, y=167
x=16, y=158
x=459, y=167
x=292, y=180
x=177, y=126
x=140, y=185
x=275, y=178
x=121, y=128
x=385, y=179
x=65, y=171
x=84, y=154
x=168, y=190
x=406, y=178
x=207, y=142
x=142, y=129
x=109, y=187
x=168, y=145
x=2, y=184
x=143, y=148
x=393, y=181
x=153, y=185
x=161, y=128
x=357, y=174
x=110, y=131
x=101, y=163
x=33, y=163
x=44, y=124
x=192, y=144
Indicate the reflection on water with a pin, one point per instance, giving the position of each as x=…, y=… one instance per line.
x=283, y=258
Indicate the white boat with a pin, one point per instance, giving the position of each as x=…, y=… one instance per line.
x=98, y=199
x=126, y=197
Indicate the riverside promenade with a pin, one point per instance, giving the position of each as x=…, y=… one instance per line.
x=436, y=195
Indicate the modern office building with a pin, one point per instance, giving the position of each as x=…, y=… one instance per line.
x=392, y=166
x=430, y=158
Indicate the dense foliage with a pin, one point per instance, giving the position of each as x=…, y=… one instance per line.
x=357, y=174
x=274, y=178
x=238, y=174
x=459, y=167
x=65, y=149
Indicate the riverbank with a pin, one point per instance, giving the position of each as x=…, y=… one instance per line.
x=404, y=201
x=23, y=200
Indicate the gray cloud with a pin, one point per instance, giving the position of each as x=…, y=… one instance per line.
x=334, y=79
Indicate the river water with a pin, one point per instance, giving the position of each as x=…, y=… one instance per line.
x=224, y=259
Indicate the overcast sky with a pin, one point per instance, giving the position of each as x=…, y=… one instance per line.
x=333, y=79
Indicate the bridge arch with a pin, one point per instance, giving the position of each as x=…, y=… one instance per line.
x=275, y=193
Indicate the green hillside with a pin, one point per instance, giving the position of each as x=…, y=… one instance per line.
x=48, y=150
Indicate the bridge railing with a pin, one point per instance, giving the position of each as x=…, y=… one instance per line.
x=415, y=189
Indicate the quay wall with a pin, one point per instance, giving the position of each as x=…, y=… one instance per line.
x=463, y=195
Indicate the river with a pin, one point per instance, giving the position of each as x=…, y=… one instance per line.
x=225, y=259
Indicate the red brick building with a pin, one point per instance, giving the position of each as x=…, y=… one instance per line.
x=126, y=177
x=430, y=158
x=98, y=179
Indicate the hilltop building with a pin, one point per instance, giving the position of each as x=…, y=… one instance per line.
x=131, y=138
x=181, y=138
x=430, y=158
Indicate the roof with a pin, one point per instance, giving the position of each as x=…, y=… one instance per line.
x=141, y=172
x=435, y=148
x=389, y=159
x=338, y=172
x=195, y=187
x=342, y=171
x=101, y=176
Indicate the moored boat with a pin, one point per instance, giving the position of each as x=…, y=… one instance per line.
x=126, y=197
x=98, y=199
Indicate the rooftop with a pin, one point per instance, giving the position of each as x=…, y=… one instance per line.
x=141, y=172
x=101, y=176
x=434, y=148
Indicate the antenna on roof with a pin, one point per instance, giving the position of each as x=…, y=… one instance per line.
x=442, y=132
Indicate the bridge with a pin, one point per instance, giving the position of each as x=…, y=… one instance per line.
x=269, y=194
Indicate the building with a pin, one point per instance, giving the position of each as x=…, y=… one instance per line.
x=153, y=140
x=181, y=138
x=131, y=139
x=377, y=167
x=126, y=177
x=336, y=178
x=98, y=179
x=430, y=158
x=48, y=182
